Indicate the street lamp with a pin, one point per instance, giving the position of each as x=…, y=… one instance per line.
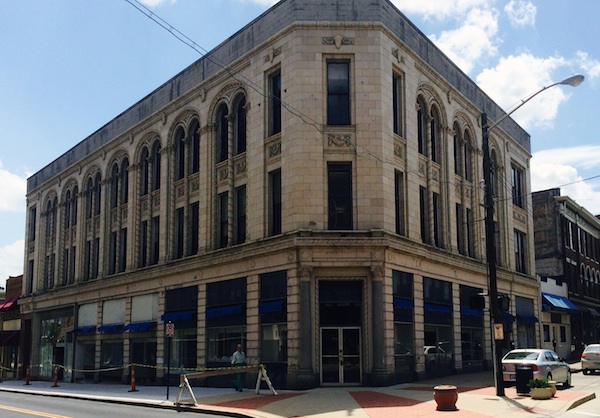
x=490, y=243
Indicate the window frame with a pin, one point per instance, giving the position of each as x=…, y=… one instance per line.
x=339, y=98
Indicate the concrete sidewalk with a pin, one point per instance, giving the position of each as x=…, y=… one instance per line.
x=476, y=399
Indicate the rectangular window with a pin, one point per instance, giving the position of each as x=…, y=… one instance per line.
x=437, y=220
x=225, y=318
x=155, y=240
x=194, y=228
x=546, y=333
x=143, y=256
x=397, y=95
x=424, y=208
x=518, y=186
x=274, y=103
x=223, y=220
x=112, y=259
x=404, y=351
x=520, y=258
x=32, y=222
x=179, y=227
x=460, y=229
x=400, y=198
x=339, y=190
x=240, y=214
x=96, y=259
x=338, y=93
x=470, y=238
x=30, y=266
x=563, y=334
x=273, y=316
x=123, y=251
x=275, y=202
x=65, y=267
x=87, y=260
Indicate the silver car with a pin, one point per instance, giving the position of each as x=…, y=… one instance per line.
x=590, y=359
x=545, y=363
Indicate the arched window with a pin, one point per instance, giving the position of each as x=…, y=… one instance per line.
x=89, y=198
x=421, y=123
x=467, y=156
x=144, y=171
x=68, y=208
x=179, y=154
x=194, y=147
x=124, y=179
x=222, y=134
x=155, y=166
x=97, y=194
x=240, y=126
x=435, y=136
x=114, y=186
x=458, y=164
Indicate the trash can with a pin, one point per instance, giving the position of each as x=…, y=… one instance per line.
x=523, y=374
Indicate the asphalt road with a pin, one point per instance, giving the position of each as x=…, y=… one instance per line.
x=18, y=405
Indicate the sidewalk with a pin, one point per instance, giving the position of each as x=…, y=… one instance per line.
x=476, y=399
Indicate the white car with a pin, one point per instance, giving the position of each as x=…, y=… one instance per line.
x=545, y=364
x=590, y=359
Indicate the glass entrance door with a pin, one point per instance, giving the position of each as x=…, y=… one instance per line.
x=340, y=356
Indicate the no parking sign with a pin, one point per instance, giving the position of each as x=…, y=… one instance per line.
x=170, y=329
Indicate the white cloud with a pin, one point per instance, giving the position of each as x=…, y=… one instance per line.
x=12, y=192
x=155, y=3
x=590, y=66
x=515, y=78
x=11, y=260
x=561, y=168
x=438, y=9
x=521, y=12
x=474, y=39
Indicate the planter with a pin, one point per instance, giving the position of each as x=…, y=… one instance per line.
x=541, y=393
x=445, y=396
x=552, y=384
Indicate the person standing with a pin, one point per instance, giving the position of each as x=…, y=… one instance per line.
x=238, y=358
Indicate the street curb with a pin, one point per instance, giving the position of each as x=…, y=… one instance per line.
x=581, y=400
x=132, y=402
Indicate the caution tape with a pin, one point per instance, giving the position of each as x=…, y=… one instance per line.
x=127, y=366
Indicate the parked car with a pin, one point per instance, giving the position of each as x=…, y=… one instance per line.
x=590, y=359
x=545, y=363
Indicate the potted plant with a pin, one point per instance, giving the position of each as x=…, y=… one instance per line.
x=540, y=389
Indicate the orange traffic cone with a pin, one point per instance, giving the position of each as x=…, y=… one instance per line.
x=133, y=389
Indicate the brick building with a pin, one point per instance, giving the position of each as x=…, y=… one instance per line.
x=310, y=188
x=567, y=249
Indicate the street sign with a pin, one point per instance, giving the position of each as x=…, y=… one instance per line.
x=170, y=329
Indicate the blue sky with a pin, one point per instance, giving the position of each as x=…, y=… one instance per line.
x=67, y=67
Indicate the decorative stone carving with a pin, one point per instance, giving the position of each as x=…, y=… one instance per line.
x=339, y=140
x=240, y=167
x=274, y=149
x=273, y=52
x=338, y=41
x=223, y=173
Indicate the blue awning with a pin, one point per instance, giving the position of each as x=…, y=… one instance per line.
x=86, y=330
x=139, y=326
x=557, y=303
x=506, y=317
x=434, y=307
x=110, y=329
x=527, y=319
x=222, y=311
x=271, y=306
x=177, y=316
x=400, y=303
x=468, y=311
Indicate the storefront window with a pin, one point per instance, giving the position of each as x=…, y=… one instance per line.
x=222, y=342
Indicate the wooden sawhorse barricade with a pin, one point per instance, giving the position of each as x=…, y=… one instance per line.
x=184, y=380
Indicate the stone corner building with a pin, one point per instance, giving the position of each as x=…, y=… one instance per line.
x=309, y=189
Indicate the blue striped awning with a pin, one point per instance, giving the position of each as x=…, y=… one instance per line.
x=506, y=317
x=177, y=316
x=527, y=319
x=222, y=311
x=557, y=303
x=86, y=330
x=468, y=311
x=110, y=329
x=434, y=307
x=271, y=306
x=138, y=326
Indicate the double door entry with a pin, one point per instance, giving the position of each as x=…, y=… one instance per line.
x=340, y=356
